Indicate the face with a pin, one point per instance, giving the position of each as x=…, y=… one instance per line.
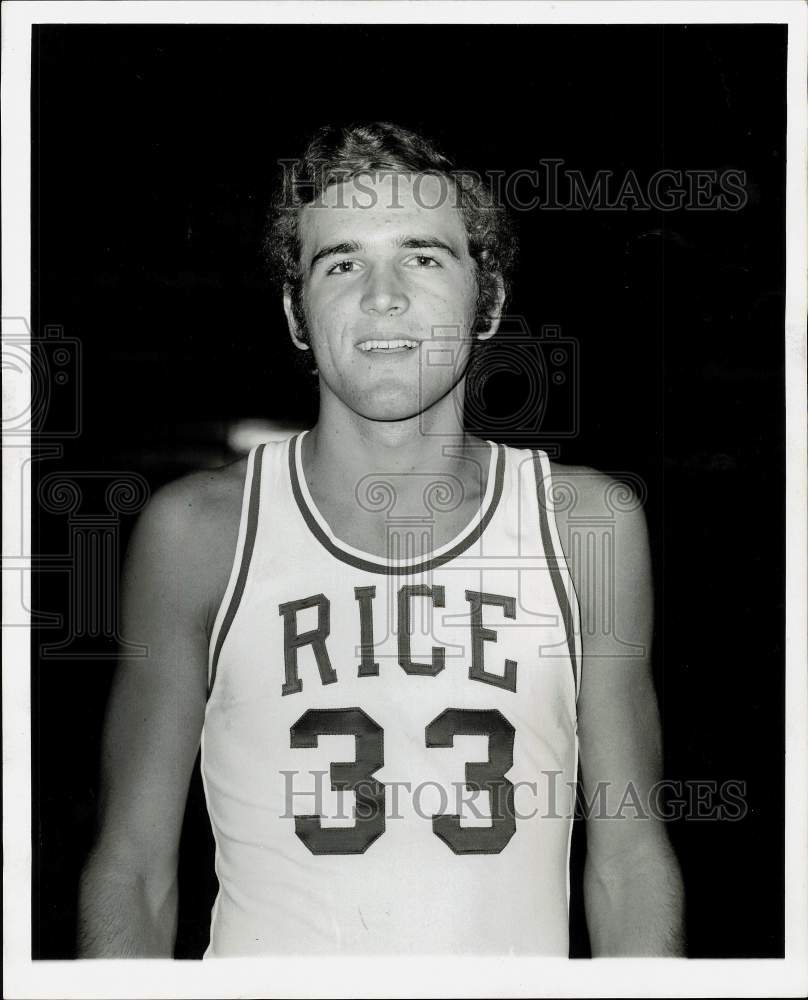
x=389, y=293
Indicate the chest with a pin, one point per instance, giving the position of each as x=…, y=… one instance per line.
x=390, y=525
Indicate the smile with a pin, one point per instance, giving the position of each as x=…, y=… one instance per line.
x=387, y=345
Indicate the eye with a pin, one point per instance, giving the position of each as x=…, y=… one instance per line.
x=423, y=260
x=342, y=267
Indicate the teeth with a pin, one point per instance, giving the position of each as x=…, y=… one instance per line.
x=386, y=345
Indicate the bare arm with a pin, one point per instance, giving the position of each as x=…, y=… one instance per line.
x=632, y=883
x=128, y=888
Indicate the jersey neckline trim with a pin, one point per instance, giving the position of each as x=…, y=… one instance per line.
x=396, y=567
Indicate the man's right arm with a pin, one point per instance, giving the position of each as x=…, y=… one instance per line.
x=128, y=888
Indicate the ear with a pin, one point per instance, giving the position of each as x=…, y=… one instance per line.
x=294, y=331
x=496, y=313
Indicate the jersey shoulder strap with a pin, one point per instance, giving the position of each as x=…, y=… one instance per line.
x=563, y=583
x=248, y=527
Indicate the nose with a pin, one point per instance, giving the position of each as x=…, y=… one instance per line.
x=384, y=293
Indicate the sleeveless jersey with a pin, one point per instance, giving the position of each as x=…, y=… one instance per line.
x=389, y=750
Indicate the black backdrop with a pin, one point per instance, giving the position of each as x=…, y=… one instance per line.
x=153, y=150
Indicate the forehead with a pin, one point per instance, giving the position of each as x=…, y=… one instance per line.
x=384, y=205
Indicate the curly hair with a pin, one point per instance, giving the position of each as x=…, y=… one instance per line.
x=336, y=154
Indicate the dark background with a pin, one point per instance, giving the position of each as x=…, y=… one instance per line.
x=154, y=150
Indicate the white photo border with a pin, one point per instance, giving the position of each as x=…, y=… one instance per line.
x=385, y=977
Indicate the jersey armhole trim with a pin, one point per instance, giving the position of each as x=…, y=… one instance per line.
x=557, y=563
x=248, y=526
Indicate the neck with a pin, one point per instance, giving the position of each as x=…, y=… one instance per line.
x=344, y=447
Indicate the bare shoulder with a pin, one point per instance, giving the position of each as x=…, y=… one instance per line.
x=203, y=498
x=583, y=493
x=190, y=529
x=610, y=509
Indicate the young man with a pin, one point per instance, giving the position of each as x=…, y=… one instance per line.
x=374, y=630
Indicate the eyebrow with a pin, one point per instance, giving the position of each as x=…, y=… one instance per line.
x=332, y=250
x=407, y=243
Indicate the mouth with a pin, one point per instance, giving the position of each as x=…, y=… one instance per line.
x=399, y=345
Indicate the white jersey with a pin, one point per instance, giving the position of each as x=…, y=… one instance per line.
x=389, y=751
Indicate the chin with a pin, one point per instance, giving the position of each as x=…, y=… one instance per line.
x=388, y=414
x=389, y=406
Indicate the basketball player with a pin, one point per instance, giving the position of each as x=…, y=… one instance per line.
x=377, y=633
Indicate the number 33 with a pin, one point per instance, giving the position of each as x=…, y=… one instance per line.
x=357, y=776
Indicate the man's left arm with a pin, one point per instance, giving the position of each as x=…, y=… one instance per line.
x=632, y=882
